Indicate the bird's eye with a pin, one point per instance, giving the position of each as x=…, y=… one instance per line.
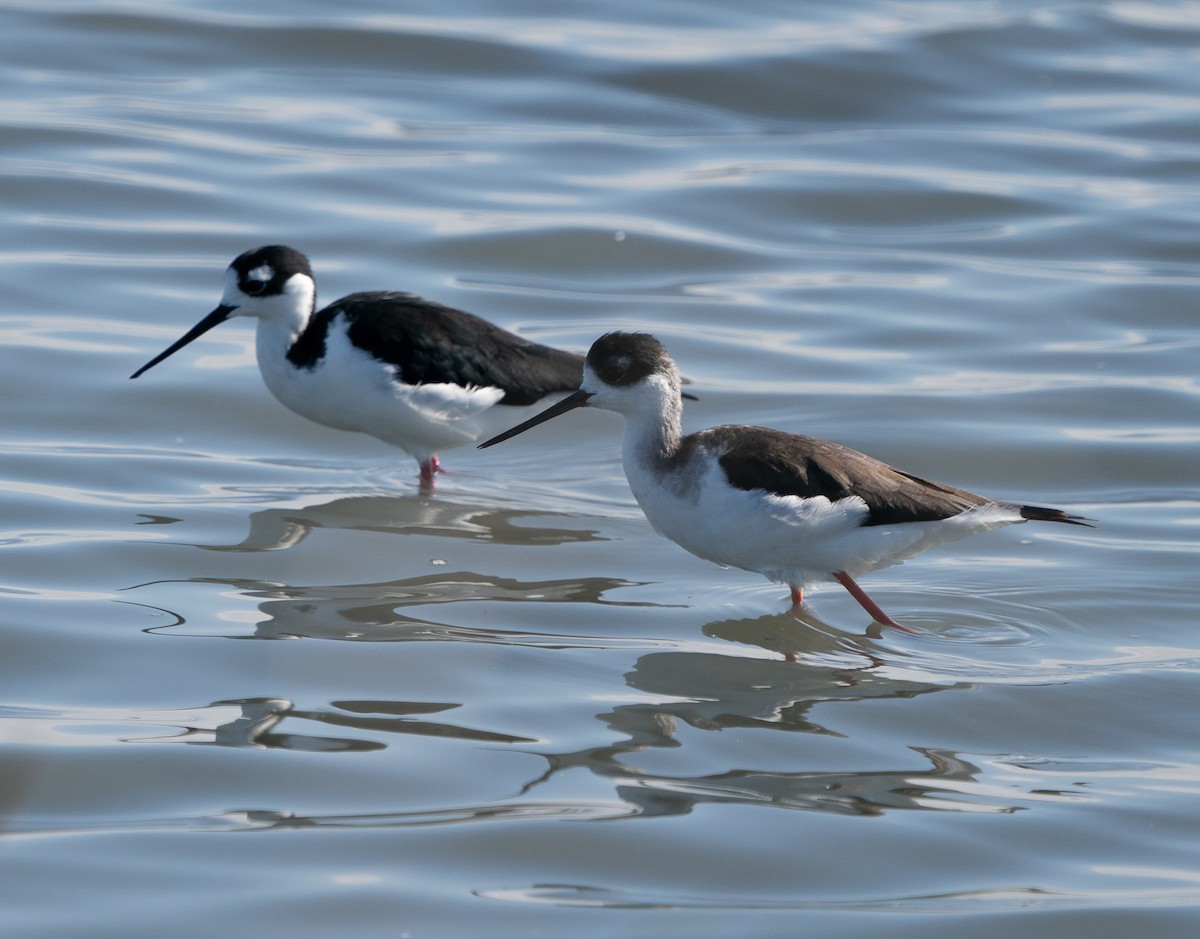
x=255, y=282
x=615, y=369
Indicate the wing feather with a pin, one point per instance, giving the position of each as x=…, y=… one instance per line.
x=429, y=343
x=795, y=465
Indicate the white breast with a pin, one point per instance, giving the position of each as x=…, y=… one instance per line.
x=349, y=389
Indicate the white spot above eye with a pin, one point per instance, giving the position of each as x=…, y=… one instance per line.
x=263, y=273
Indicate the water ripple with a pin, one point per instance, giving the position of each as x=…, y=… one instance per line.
x=961, y=236
x=978, y=901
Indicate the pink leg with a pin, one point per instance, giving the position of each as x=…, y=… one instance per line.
x=429, y=469
x=797, y=602
x=868, y=604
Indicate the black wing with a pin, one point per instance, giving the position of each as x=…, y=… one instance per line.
x=431, y=343
x=794, y=465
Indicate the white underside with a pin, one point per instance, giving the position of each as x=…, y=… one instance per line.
x=788, y=539
x=350, y=389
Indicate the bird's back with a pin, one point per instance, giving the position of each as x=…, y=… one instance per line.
x=429, y=343
x=794, y=464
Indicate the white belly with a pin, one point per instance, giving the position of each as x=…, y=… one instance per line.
x=788, y=539
x=349, y=389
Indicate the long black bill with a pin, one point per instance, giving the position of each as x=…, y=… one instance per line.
x=215, y=318
x=577, y=399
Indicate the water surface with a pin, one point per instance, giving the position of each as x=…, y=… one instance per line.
x=255, y=679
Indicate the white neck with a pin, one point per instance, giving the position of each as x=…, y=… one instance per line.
x=281, y=320
x=275, y=334
x=652, y=433
x=282, y=317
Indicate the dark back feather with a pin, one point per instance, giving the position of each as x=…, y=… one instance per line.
x=794, y=465
x=428, y=342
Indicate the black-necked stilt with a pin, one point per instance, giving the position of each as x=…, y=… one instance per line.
x=418, y=375
x=796, y=509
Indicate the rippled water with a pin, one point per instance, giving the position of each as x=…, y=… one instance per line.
x=959, y=236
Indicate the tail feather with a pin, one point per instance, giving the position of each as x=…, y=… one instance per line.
x=1039, y=513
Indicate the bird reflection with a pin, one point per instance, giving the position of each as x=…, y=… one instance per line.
x=381, y=612
x=944, y=784
x=713, y=692
x=704, y=691
x=257, y=719
x=277, y=529
x=677, y=692
x=796, y=635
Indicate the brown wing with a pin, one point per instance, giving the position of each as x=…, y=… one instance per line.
x=794, y=465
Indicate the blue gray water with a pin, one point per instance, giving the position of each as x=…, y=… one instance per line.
x=254, y=680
